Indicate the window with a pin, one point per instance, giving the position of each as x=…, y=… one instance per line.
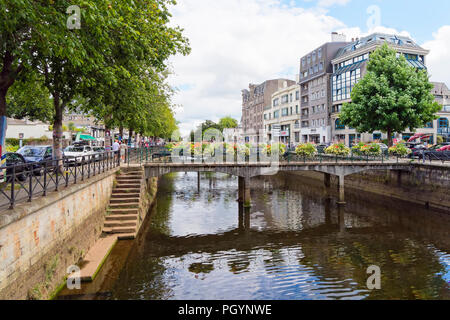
x=290, y=97
x=303, y=62
x=321, y=66
x=285, y=99
x=314, y=57
x=296, y=109
x=319, y=53
x=338, y=125
x=276, y=114
x=276, y=102
x=429, y=125
x=284, y=112
x=309, y=59
x=443, y=123
x=297, y=95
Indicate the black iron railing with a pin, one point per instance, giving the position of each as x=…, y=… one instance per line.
x=27, y=181
x=163, y=155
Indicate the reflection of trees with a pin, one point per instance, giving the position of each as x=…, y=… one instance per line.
x=201, y=268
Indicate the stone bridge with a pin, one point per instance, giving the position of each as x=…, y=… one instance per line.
x=245, y=171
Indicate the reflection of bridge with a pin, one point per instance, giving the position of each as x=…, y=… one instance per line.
x=245, y=171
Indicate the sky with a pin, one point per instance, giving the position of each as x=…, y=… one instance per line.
x=237, y=42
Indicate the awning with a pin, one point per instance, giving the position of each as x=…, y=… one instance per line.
x=86, y=137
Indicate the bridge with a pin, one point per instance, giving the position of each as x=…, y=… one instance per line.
x=246, y=171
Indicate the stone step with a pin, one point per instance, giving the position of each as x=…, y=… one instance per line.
x=125, y=185
x=126, y=200
x=125, y=195
x=123, y=211
x=122, y=217
x=124, y=206
x=96, y=256
x=120, y=230
x=129, y=179
x=120, y=223
x=126, y=190
x=126, y=236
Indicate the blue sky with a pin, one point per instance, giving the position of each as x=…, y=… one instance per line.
x=419, y=18
x=238, y=42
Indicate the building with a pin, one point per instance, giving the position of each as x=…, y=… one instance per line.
x=441, y=125
x=80, y=120
x=26, y=129
x=284, y=114
x=315, y=73
x=233, y=135
x=254, y=101
x=350, y=65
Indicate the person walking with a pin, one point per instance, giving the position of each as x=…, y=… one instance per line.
x=115, y=149
x=123, y=150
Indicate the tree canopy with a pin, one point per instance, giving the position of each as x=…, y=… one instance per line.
x=392, y=96
x=228, y=123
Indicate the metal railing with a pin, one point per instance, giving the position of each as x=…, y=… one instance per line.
x=163, y=155
x=24, y=182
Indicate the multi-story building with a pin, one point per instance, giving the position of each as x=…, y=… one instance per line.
x=315, y=73
x=81, y=120
x=284, y=112
x=254, y=101
x=350, y=65
x=442, y=95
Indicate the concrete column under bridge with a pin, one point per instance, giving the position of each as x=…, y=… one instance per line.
x=341, y=186
x=244, y=191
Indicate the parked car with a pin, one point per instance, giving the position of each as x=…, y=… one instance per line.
x=19, y=163
x=36, y=155
x=417, y=151
x=75, y=154
x=384, y=149
x=99, y=153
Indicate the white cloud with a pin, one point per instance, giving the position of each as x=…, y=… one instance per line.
x=234, y=43
x=329, y=3
x=438, y=61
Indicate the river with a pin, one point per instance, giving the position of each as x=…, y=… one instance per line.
x=293, y=243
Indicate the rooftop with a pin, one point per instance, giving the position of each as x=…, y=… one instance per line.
x=401, y=41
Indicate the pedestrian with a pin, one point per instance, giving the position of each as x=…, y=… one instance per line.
x=123, y=150
x=115, y=149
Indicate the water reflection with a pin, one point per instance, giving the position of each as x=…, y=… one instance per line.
x=294, y=243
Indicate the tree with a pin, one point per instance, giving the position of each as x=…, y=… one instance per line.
x=228, y=123
x=391, y=97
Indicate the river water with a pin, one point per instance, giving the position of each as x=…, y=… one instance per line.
x=294, y=243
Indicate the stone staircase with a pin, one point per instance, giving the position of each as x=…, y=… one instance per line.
x=123, y=211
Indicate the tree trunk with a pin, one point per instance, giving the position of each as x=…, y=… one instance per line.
x=3, y=123
x=121, y=132
x=130, y=134
x=57, y=130
x=390, y=141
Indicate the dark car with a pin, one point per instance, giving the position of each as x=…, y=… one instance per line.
x=418, y=151
x=15, y=164
x=36, y=155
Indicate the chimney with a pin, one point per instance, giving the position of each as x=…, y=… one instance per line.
x=335, y=37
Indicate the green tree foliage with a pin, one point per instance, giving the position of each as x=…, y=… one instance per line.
x=29, y=98
x=391, y=97
x=115, y=61
x=228, y=123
